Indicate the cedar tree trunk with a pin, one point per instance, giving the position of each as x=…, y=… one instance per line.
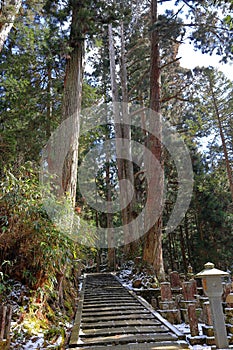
x=152, y=252
x=72, y=100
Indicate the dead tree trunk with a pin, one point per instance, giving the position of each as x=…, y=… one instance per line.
x=5, y=323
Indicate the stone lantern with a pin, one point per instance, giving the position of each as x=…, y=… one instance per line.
x=212, y=285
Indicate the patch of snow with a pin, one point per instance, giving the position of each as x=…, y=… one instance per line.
x=55, y=345
x=35, y=343
x=80, y=286
x=184, y=328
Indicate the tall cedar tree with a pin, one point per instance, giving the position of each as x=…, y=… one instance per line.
x=72, y=97
x=153, y=240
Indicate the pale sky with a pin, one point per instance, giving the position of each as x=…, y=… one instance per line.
x=191, y=59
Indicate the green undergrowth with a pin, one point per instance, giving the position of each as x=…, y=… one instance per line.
x=38, y=263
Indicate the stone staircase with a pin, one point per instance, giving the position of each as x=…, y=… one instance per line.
x=109, y=315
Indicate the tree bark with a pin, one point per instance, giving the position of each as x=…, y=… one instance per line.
x=8, y=14
x=153, y=240
x=131, y=242
x=183, y=250
x=72, y=101
x=187, y=238
x=49, y=109
x=110, y=238
x=120, y=149
x=170, y=251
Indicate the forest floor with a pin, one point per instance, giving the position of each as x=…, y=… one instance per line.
x=36, y=323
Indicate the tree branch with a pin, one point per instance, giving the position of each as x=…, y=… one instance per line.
x=171, y=62
x=141, y=78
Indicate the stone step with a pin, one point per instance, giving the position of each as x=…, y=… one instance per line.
x=109, y=300
x=121, y=323
x=114, y=317
x=123, y=330
x=164, y=345
x=102, y=304
x=127, y=338
x=106, y=295
x=112, y=297
x=114, y=308
x=106, y=290
x=92, y=313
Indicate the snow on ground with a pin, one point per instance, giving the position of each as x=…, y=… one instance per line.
x=35, y=343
